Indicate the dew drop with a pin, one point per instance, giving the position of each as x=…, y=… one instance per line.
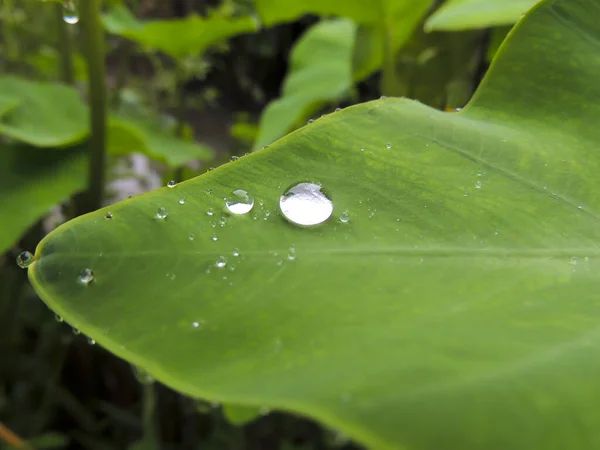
x=198, y=324
x=182, y=201
x=338, y=109
x=239, y=202
x=171, y=184
x=58, y=318
x=210, y=212
x=86, y=276
x=305, y=204
x=70, y=13
x=345, y=217
x=91, y=341
x=208, y=191
x=580, y=207
x=25, y=259
x=478, y=184
x=236, y=252
x=161, y=213
x=221, y=262
x=292, y=254
x=234, y=158
x=191, y=236
x=388, y=145
x=76, y=331
x=574, y=260
x=310, y=121
x=214, y=238
x=108, y=216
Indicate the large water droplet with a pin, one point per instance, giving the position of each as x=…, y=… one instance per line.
x=86, y=276
x=239, y=202
x=221, y=262
x=305, y=204
x=70, y=13
x=25, y=259
x=161, y=213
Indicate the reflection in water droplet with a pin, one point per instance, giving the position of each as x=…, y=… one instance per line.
x=574, y=260
x=70, y=13
x=182, y=201
x=25, y=259
x=161, y=213
x=108, y=215
x=345, y=217
x=305, y=204
x=239, y=202
x=209, y=212
x=478, y=184
x=221, y=262
x=86, y=276
x=171, y=184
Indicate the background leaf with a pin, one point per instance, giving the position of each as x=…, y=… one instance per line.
x=47, y=114
x=456, y=308
x=320, y=71
x=469, y=14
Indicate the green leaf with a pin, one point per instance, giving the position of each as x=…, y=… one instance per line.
x=468, y=14
x=127, y=136
x=457, y=308
x=177, y=37
x=47, y=114
x=32, y=182
x=49, y=440
x=240, y=415
x=320, y=71
x=8, y=102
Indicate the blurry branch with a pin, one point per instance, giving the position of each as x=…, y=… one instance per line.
x=12, y=439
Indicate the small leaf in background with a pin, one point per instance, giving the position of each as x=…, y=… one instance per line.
x=456, y=15
x=47, y=114
x=127, y=136
x=49, y=441
x=451, y=299
x=177, y=37
x=320, y=71
x=241, y=415
x=32, y=181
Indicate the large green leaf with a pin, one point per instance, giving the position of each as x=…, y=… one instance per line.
x=320, y=71
x=458, y=306
x=177, y=37
x=469, y=14
x=45, y=115
x=32, y=182
x=127, y=136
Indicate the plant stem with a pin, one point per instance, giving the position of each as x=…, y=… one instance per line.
x=388, y=80
x=93, y=36
x=148, y=423
x=64, y=46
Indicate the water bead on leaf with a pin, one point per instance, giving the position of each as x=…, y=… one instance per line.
x=86, y=276
x=306, y=204
x=161, y=213
x=239, y=202
x=25, y=259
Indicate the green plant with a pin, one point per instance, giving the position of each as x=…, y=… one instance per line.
x=450, y=299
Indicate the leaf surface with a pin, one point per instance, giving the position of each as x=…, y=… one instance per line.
x=458, y=306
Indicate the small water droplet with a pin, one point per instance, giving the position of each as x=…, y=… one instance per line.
x=210, y=169
x=574, y=260
x=580, y=206
x=214, y=238
x=191, y=236
x=306, y=204
x=388, y=145
x=480, y=173
x=86, y=276
x=161, y=213
x=209, y=212
x=234, y=158
x=338, y=109
x=91, y=341
x=171, y=184
x=362, y=149
x=198, y=324
x=108, y=215
x=292, y=254
x=221, y=262
x=25, y=259
x=239, y=202
x=236, y=252
x=208, y=191
x=141, y=375
x=383, y=97
x=478, y=185
x=58, y=318
x=70, y=13
x=345, y=217
x=182, y=201
x=76, y=331
x=310, y=121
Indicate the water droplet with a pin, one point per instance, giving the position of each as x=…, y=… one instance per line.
x=382, y=97
x=192, y=236
x=221, y=262
x=58, y=318
x=305, y=204
x=580, y=206
x=574, y=260
x=239, y=202
x=141, y=375
x=161, y=213
x=362, y=149
x=208, y=191
x=338, y=109
x=91, y=341
x=25, y=259
x=108, y=215
x=388, y=145
x=345, y=217
x=292, y=254
x=214, y=238
x=478, y=184
x=480, y=173
x=209, y=212
x=234, y=157
x=182, y=201
x=70, y=13
x=210, y=169
x=171, y=184
x=198, y=324
x=76, y=331
x=86, y=276
x=236, y=252
x=310, y=121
